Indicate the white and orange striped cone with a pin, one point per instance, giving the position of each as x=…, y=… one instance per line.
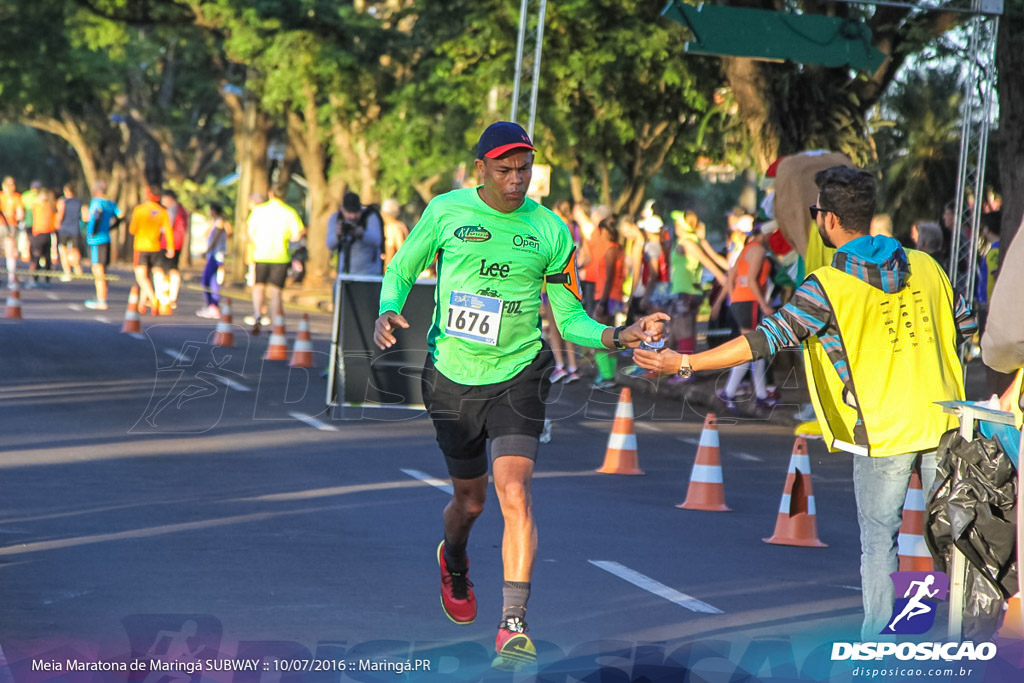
x=132, y=323
x=707, y=489
x=1010, y=635
x=302, y=352
x=913, y=551
x=13, y=311
x=1012, y=627
x=797, y=522
x=225, y=332
x=277, y=348
x=621, y=456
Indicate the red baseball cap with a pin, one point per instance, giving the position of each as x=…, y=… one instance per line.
x=500, y=138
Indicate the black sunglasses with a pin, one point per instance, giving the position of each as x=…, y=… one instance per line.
x=817, y=210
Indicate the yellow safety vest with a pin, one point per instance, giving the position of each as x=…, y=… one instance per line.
x=902, y=357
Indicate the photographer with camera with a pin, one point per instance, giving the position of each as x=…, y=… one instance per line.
x=357, y=233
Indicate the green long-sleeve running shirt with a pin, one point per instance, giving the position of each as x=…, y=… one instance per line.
x=490, y=270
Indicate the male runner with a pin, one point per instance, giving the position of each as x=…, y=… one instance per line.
x=486, y=373
x=102, y=214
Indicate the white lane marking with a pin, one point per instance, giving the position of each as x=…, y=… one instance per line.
x=101, y=319
x=313, y=422
x=75, y=307
x=651, y=586
x=850, y=588
x=177, y=356
x=137, y=335
x=648, y=427
x=433, y=481
x=692, y=442
x=237, y=386
x=52, y=297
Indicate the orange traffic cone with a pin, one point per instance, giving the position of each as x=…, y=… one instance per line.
x=132, y=325
x=13, y=311
x=797, y=522
x=277, y=349
x=620, y=457
x=302, y=352
x=913, y=551
x=1013, y=620
x=225, y=332
x=706, y=490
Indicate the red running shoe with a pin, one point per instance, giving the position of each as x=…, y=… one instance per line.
x=457, y=597
x=515, y=649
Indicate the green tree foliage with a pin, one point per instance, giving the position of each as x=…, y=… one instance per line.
x=918, y=145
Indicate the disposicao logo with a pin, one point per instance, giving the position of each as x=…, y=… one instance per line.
x=473, y=233
x=914, y=612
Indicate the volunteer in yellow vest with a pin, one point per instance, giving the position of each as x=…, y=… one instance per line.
x=888, y=324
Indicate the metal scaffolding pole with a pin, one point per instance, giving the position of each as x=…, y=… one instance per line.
x=528, y=54
x=976, y=122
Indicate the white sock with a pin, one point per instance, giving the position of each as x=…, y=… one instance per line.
x=735, y=377
x=760, y=390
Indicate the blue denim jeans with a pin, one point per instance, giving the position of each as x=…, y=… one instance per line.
x=880, y=486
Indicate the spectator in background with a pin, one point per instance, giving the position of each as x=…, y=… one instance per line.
x=42, y=247
x=102, y=214
x=395, y=231
x=71, y=214
x=881, y=224
x=563, y=350
x=29, y=201
x=927, y=237
x=356, y=232
x=988, y=269
x=13, y=209
x=690, y=258
x=748, y=291
x=610, y=273
x=216, y=251
x=168, y=272
x=273, y=226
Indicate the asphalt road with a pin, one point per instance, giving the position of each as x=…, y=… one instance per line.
x=156, y=483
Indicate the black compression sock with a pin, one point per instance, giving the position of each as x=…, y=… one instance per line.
x=455, y=556
x=514, y=597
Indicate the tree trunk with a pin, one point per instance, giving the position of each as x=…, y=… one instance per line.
x=749, y=88
x=252, y=138
x=1010, y=140
x=304, y=137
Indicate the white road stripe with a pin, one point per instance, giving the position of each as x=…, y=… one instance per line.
x=176, y=356
x=137, y=335
x=75, y=307
x=237, y=386
x=52, y=297
x=647, y=426
x=101, y=319
x=747, y=456
x=433, y=481
x=652, y=586
x=692, y=442
x=313, y=422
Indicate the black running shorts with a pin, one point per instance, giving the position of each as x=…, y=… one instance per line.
x=466, y=416
x=273, y=274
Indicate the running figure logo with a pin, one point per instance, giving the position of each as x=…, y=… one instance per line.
x=914, y=613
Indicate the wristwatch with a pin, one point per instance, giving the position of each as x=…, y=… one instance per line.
x=685, y=370
x=615, y=337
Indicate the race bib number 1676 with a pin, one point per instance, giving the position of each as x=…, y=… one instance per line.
x=474, y=317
